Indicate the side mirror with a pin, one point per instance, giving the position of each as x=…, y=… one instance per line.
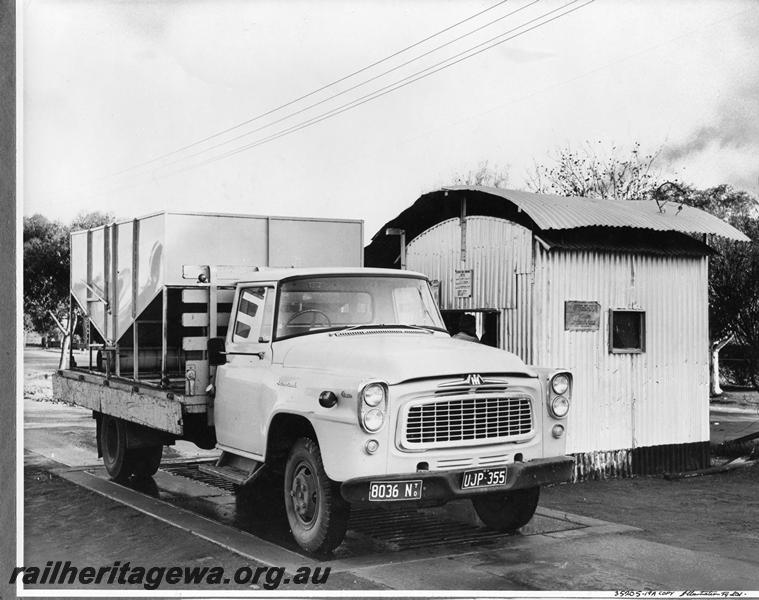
x=217, y=354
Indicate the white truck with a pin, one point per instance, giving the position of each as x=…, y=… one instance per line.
x=340, y=380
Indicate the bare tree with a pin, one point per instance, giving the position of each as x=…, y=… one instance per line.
x=587, y=172
x=485, y=176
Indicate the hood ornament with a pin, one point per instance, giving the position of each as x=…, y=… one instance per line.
x=473, y=380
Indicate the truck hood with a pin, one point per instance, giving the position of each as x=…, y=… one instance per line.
x=396, y=357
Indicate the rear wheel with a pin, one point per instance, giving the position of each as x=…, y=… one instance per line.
x=147, y=460
x=507, y=511
x=122, y=462
x=316, y=512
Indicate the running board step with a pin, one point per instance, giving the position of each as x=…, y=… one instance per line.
x=237, y=469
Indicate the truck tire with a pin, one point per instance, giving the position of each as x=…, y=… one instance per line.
x=316, y=512
x=507, y=511
x=121, y=462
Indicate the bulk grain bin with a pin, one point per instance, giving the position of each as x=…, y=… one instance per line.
x=154, y=289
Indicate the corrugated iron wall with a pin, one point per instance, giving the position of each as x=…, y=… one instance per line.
x=500, y=255
x=622, y=401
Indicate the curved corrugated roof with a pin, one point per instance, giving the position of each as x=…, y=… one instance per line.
x=541, y=212
x=569, y=212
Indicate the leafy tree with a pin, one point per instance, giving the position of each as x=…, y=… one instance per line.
x=733, y=277
x=733, y=287
x=88, y=220
x=723, y=201
x=588, y=173
x=46, y=266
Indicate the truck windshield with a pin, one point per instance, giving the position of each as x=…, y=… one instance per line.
x=313, y=304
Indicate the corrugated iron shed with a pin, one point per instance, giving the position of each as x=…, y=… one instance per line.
x=542, y=213
x=551, y=276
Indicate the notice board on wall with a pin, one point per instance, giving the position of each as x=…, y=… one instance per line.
x=582, y=316
x=462, y=283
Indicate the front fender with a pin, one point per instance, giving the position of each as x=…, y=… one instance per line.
x=340, y=437
x=343, y=449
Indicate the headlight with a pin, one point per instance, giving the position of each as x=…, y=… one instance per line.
x=372, y=406
x=560, y=406
x=560, y=384
x=373, y=419
x=373, y=394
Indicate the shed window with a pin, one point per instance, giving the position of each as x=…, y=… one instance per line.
x=627, y=331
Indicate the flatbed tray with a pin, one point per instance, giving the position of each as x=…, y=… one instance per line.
x=137, y=402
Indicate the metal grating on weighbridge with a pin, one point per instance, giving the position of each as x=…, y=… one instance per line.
x=190, y=471
x=412, y=528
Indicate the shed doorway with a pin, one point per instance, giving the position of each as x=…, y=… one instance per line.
x=488, y=323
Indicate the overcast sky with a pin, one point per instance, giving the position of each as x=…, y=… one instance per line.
x=109, y=87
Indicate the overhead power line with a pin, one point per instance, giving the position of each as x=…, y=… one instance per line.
x=424, y=73
x=362, y=84
x=309, y=94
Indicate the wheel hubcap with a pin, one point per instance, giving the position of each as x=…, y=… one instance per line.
x=304, y=493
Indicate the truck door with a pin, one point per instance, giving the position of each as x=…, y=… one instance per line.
x=245, y=384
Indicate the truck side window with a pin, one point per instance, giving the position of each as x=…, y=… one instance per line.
x=250, y=314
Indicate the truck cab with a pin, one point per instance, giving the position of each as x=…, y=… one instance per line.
x=346, y=383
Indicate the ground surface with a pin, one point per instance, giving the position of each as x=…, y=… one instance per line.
x=716, y=513
x=695, y=533
x=62, y=519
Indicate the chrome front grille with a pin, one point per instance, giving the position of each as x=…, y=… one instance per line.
x=441, y=423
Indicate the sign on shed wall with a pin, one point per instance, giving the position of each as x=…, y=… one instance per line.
x=462, y=283
x=582, y=316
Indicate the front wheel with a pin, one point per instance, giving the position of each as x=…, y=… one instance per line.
x=316, y=511
x=507, y=511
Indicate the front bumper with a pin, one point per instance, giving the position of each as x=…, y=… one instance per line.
x=446, y=485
